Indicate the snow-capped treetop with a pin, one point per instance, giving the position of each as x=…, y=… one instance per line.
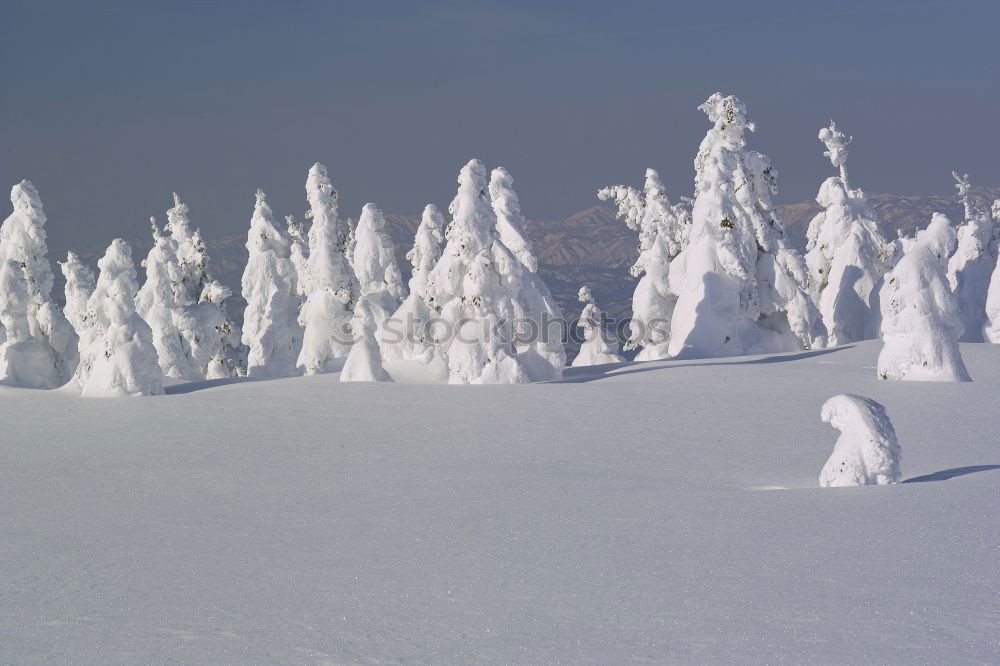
x=327, y=265
x=374, y=257
x=80, y=283
x=178, y=222
x=970, y=268
x=510, y=219
x=866, y=453
x=836, y=143
x=426, y=250
x=114, y=294
x=472, y=218
x=264, y=236
x=22, y=239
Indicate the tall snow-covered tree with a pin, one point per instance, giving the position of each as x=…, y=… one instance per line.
x=991, y=325
x=663, y=229
x=538, y=320
x=920, y=322
x=299, y=255
x=970, y=268
x=741, y=289
x=407, y=336
x=162, y=303
x=597, y=346
x=375, y=265
x=117, y=356
x=866, y=453
x=80, y=283
x=467, y=289
x=846, y=253
x=271, y=329
x=331, y=287
x=38, y=346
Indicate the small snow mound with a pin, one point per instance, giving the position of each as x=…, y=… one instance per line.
x=866, y=453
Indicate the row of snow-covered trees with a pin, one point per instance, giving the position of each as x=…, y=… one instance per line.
x=330, y=298
x=718, y=277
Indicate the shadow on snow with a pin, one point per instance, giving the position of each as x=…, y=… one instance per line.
x=946, y=474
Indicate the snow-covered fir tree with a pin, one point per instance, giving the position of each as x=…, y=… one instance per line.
x=271, y=329
x=299, y=255
x=845, y=251
x=741, y=289
x=117, y=355
x=162, y=303
x=537, y=318
x=970, y=268
x=597, y=347
x=379, y=278
x=408, y=338
x=79, y=286
x=663, y=229
x=467, y=289
x=866, y=453
x=364, y=362
x=38, y=346
x=331, y=290
x=920, y=322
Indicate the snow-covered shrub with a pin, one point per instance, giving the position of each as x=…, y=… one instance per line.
x=379, y=278
x=970, y=268
x=539, y=347
x=407, y=337
x=38, y=346
x=467, y=289
x=270, y=324
x=117, y=355
x=597, y=347
x=920, y=323
x=331, y=288
x=364, y=362
x=79, y=286
x=740, y=288
x=866, y=453
x=663, y=228
x=845, y=252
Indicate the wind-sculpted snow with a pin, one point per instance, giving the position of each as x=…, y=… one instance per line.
x=866, y=453
x=545, y=523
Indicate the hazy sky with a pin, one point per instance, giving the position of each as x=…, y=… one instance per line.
x=110, y=106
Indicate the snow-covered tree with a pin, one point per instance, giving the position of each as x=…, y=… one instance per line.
x=117, y=355
x=332, y=290
x=38, y=346
x=79, y=286
x=538, y=320
x=406, y=334
x=162, y=302
x=663, y=229
x=741, y=289
x=467, y=288
x=970, y=268
x=597, y=347
x=364, y=362
x=270, y=324
x=866, y=453
x=299, y=255
x=920, y=323
x=375, y=265
x=846, y=253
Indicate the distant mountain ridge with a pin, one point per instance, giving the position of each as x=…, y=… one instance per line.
x=589, y=247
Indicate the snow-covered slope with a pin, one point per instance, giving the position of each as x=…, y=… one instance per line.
x=665, y=511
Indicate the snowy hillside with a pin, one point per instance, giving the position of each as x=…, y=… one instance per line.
x=665, y=511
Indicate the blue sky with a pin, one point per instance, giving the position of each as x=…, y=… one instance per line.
x=111, y=106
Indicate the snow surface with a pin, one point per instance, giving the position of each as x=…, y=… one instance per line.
x=305, y=520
